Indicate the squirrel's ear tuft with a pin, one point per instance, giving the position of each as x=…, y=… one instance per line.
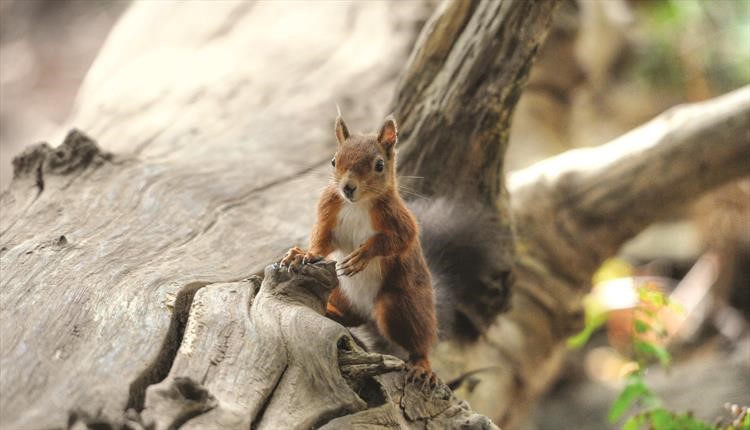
x=388, y=134
x=342, y=133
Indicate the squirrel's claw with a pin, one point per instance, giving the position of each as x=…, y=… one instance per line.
x=352, y=264
x=293, y=259
x=426, y=380
x=350, y=269
x=296, y=263
x=311, y=258
x=296, y=257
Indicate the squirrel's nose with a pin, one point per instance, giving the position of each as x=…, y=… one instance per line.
x=349, y=191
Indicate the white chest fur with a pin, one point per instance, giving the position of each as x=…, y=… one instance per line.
x=353, y=228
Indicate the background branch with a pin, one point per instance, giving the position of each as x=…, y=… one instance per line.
x=578, y=208
x=569, y=219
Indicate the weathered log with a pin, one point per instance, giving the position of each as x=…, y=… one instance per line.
x=198, y=175
x=209, y=183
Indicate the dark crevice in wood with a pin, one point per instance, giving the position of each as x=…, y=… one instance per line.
x=91, y=422
x=199, y=400
x=372, y=392
x=39, y=179
x=159, y=369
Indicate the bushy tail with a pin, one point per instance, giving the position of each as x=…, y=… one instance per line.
x=468, y=256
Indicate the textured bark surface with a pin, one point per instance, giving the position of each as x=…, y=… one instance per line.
x=263, y=357
x=457, y=93
x=122, y=268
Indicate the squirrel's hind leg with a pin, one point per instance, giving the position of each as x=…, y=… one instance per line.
x=406, y=316
x=339, y=310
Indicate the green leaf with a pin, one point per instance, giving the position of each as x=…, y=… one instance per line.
x=580, y=339
x=596, y=316
x=593, y=322
x=613, y=268
x=653, y=297
x=661, y=419
x=646, y=311
x=634, y=423
x=634, y=389
x=641, y=326
x=649, y=350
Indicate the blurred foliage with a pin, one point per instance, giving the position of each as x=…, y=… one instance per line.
x=596, y=314
x=696, y=47
x=648, y=335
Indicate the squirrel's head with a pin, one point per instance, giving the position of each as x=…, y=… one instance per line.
x=365, y=165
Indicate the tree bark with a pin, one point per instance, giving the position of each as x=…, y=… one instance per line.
x=458, y=91
x=299, y=370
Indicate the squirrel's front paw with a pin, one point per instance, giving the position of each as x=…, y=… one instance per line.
x=352, y=264
x=293, y=258
x=297, y=257
x=311, y=258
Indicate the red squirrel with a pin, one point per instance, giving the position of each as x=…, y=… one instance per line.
x=364, y=222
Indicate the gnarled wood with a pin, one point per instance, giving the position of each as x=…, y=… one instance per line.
x=271, y=360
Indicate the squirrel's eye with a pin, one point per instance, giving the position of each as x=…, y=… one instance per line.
x=379, y=165
x=333, y=161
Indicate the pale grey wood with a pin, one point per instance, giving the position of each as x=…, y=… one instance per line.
x=603, y=196
x=215, y=121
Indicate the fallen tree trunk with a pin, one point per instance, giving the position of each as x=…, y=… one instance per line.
x=122, y=270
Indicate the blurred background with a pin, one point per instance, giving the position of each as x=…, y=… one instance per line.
x=606, y=67
x=46, y=47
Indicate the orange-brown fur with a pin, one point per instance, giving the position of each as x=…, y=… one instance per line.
x=404, y=306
